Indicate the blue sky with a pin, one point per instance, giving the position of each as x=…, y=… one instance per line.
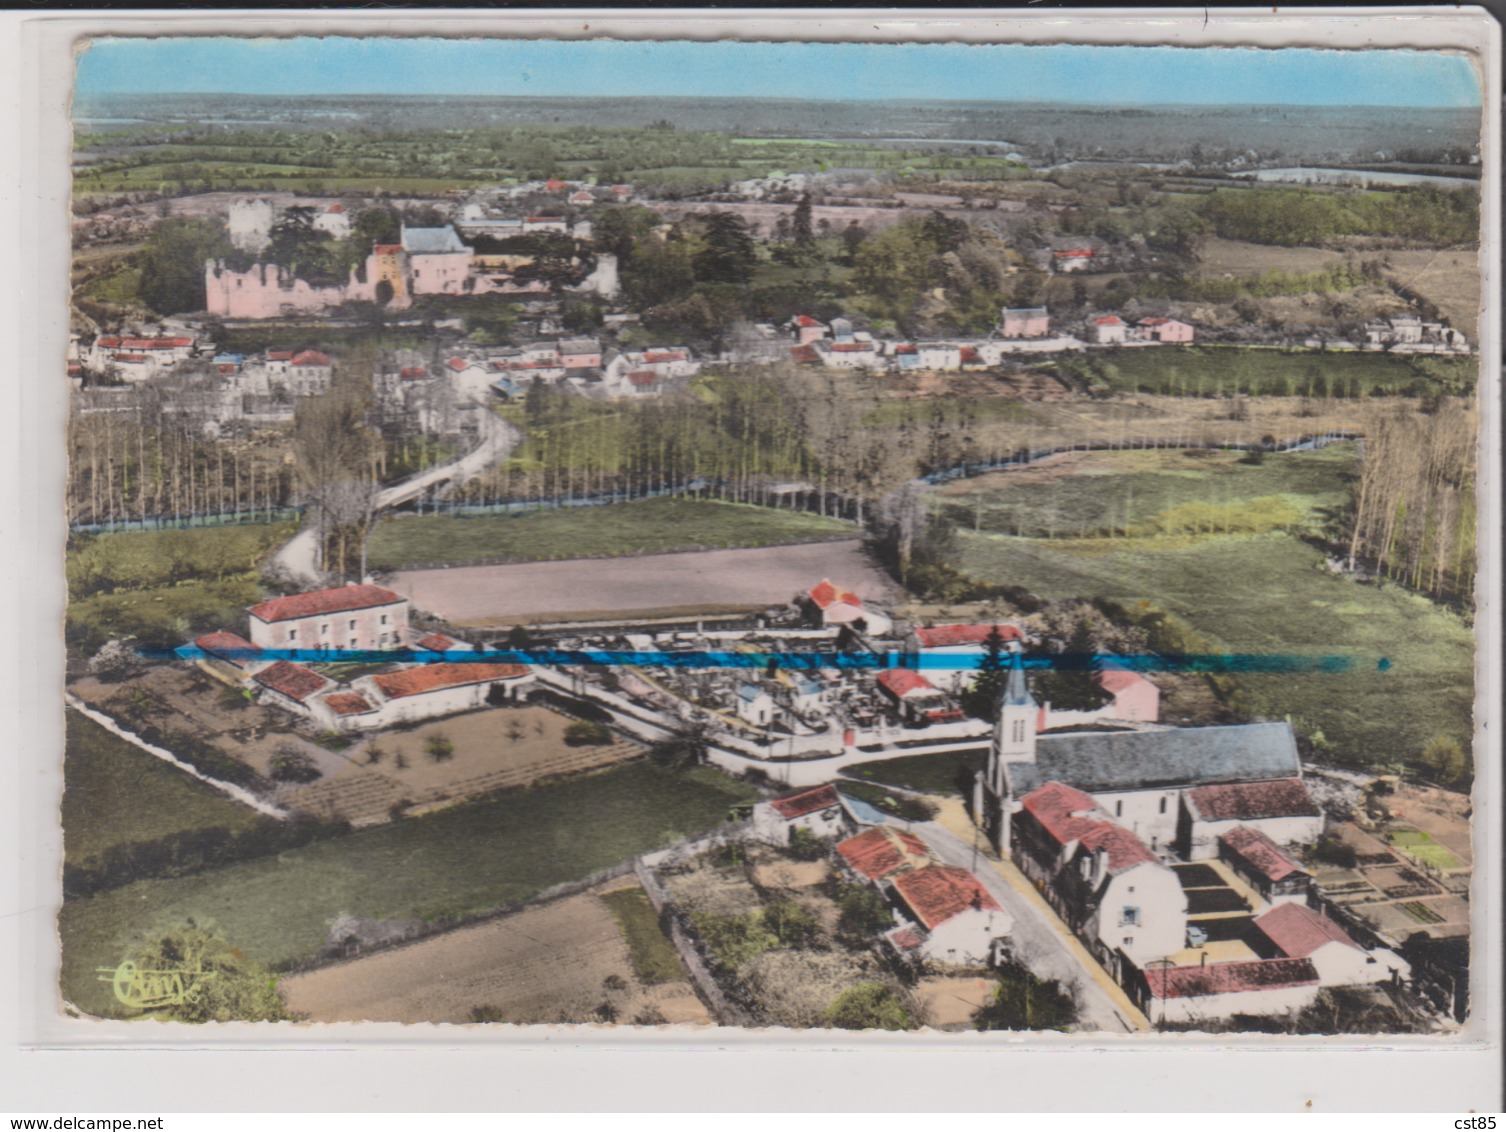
x=1134, y=75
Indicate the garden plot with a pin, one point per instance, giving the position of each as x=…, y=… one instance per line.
x=561, y=962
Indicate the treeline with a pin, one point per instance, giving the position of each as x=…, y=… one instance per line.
x=125, y=562
x=1414, y=510
x=191, y=851
x=143, y=462
x=1288, y=217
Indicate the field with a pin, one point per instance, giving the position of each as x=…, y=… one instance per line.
x=1266, y=594
x=1152, y=492
x=1420, y=845
x=653, y=956
x=710, y=581
x=564, y=961
x=115, y=794
x=1450, y=280
x=163, y=586
x=650, y=525
x=930, y=774
x=1219, y=256
x=456, y=862
x=1222, y=371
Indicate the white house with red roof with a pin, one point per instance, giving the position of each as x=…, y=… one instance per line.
x=1264, y=865
x=1107, y=884
x=1281, y=809
x=309, y=373
x=818, y=811
x=955, y=920
x=470, y=378
x=879, y=853
x=917, y=698
x=344, y=617
x=1132, y=698
x=290, y=685
x=426, y=691
x=962, y=646
x=335, y=220
x=838, y=605
x=1073, y=259
x=1110, y=330
x=226, y=656
x=806, y=329
x=1296, y=931
x=137, y=358
x=1024, y=322
x=1221, y=990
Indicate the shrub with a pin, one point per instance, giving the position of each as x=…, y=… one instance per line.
x=863, y=912
x=584, y=733
x=806, y=846
x=1444, y=761
x=792, y=924
x=869, y=1006
x=439, y=748
x=1332, y=851
x=289, y=764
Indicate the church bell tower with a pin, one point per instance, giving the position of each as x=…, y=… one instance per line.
x=1013, y=742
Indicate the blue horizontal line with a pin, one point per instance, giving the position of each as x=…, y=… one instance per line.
x=932, y=662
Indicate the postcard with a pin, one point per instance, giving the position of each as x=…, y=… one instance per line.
x=640, y=533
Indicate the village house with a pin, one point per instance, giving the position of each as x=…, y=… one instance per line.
x=955, y=921
x=1103, y=880
x=1167, y=331
x=1292, y=930
x=950, y=654
x=139, y=358
x=638, y=372
x=228, y=657
x=289, y=685
x=345, y=617
x=755, y=706
x=1110, y=330
x=335, y=221
x=1220, y=990
x=1025, y=322
x=916, y=698
x=833, y=605
x=309, y=373
x=1261, y=863
x=1410, y=333
x=1281, y=809
x=877, y=854
x=817, y=811
x=1074, y=259
x=1132, y=698
x=807, y=329
x=856, y=352
x=426, y=691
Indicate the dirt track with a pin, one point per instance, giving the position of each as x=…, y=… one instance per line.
x=546, y=964
x=578, y=589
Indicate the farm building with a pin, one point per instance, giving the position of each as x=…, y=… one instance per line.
x=1025, y=322
x=1260, y=862
x=1281, y=809
x=879, y=853
x=1295, y=931
x=955, y=920
x=818, y=811
x=345, y=617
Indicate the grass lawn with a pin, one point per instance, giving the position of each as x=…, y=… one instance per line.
x=1266, y=594
x=592, y=532
x=654, y=958
x=1226, y=370
x=453, y=862
x=931, y=774
x=115, y=793
x=1098, y=492
x=1422, y=846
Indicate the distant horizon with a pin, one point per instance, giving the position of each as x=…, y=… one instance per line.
x=1056, y=102
x=1117, y=75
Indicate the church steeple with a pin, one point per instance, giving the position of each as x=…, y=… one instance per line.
x=1014, y=733
x=1016, y=691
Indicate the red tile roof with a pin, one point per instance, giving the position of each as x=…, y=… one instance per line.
x=1153, y=321
x=458, y=364
x=807, y=320
x=386, y=249
x=936, y=893
x=414, y=373
x=239, y=650
x=292, y=680
x=1069, y=815
x=793, y=806
x=544, y=219
x=1260, y=853
x=554, y=185
x=905, y=939
x=130, y=358
x=643, y=377
x=851, y=347
x=804, y=355
x=1116, y=680
x=826, y=595
x=1231, y=978
x=883, y=851
x=108, y=342
x=433, y=677
x=652, y=356
x=1247, y=801
x=153, y=343
x=968, y=353
x=901, y=682
x=950, y=636
x=337, y=600
x=348, y=703
x=435, y=642
x=335, y=208
x=907, y=348
x=1298, y=931
x=1075, y=253
x=279, y=355
x=311, y=358
x=1109, y=320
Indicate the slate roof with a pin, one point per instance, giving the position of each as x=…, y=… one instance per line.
x=793, y=806
x=1298, y=931
x=937, y=893
x=1231, y=978
x=340, y=599
x=1249, y=801
x=1106, y=761
x=432, y=241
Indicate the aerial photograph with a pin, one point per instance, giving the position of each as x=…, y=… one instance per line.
x=638, y=534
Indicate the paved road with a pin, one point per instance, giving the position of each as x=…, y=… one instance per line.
x=1037, y=941
x=299, y=557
